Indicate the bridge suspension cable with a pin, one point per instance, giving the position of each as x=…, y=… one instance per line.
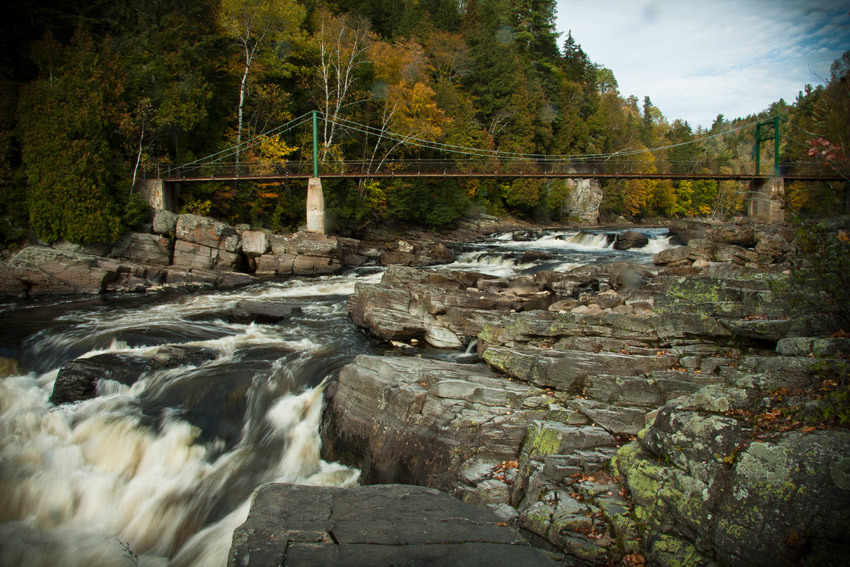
x=415, y=141
x=477, y=152
x=282, y=129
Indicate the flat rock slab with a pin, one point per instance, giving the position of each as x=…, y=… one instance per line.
x=378, y=525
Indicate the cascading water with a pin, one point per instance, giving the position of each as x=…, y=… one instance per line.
x=161, y=472
x=558, y=250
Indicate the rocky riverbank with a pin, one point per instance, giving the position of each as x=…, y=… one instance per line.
x=674, y=414
x=666, y=414
x=192, y=252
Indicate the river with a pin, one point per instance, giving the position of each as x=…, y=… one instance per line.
x=161, y=472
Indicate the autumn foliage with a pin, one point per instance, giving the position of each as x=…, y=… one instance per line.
x=120, y=87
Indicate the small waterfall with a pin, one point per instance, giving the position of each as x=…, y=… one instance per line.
x=656, y=245
x=161, y=472
x=600, y=241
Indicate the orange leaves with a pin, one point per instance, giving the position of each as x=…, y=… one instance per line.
x=500, y=471
x=505, y=465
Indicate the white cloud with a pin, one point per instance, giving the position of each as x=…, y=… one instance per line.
x=696, y=59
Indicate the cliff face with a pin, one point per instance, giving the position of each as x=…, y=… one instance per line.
x=669, y=415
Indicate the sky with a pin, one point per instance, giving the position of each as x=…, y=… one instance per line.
x=696, y=59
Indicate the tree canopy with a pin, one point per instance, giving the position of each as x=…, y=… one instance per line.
x=95, y=92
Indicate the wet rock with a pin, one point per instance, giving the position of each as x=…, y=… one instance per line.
x=248, y=311
x=425, y=254
x=374, y=525
x=631, y=239
x=79, y=379
x=315, y=266
x=399, y=311
x=8, y=367
x=10, y=285
x=534, y=256
x=269, y=265
x=195, y=277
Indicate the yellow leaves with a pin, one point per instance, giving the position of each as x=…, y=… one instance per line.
x=273, y=148
x=373, y=195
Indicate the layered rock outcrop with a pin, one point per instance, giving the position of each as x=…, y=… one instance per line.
x=668, y=412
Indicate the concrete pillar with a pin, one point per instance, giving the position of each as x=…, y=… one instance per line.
x=159, y=194
x=315, y=206
x=766, y=199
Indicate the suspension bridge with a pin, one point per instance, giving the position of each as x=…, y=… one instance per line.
x=240, y=163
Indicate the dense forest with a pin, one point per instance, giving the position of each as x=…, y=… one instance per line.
x=94, y=92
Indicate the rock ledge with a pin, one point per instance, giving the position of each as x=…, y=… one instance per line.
x=373, y=525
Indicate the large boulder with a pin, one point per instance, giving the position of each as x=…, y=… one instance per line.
x=306, y=244
x=142, y=248
x=301, y=254
x=47, y=271
x=80, y=379
x=207, y=232
x=192, y=255
x=248, y=311
x=630, y=239
x=708, y=488
x=255, y=243
x=373, y=525
x=165, y=223
x=426, y=422
x=419, y=254
x=447, y=309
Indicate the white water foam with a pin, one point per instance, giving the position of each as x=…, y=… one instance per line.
x=90, y=484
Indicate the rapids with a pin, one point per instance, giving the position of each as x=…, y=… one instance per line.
x=161, y=472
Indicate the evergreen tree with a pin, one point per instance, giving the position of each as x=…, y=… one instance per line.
x=68, y=119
